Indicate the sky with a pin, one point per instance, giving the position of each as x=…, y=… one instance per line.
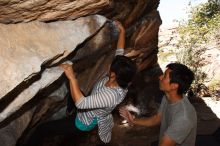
x=175, y=9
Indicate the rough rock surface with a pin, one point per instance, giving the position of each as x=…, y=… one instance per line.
x=25, y=47
x=14, y=11
x=10, y=134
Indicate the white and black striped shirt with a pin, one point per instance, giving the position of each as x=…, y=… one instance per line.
x=100, y=104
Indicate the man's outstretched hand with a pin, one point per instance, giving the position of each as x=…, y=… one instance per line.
x=126, y=115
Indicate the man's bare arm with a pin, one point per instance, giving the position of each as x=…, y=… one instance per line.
x=152, y=121
x=166, y=141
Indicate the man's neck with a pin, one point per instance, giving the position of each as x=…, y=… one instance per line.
x=173, y=97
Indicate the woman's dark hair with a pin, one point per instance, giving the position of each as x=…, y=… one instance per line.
x=124, y=69
x=181, y=75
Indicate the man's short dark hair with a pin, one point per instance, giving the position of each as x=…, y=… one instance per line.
x=181, y=75
x=124, y=69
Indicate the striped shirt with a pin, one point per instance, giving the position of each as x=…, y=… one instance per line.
x=100, y=104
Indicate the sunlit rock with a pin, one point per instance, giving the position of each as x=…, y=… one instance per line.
x=14, y=11
x=25, y=47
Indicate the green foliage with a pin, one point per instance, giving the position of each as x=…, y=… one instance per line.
x=201, y=29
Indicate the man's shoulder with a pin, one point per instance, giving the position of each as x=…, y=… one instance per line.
x=188, y=112
x=188, y=106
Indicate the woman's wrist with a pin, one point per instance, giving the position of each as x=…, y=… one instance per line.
x=72, y=78
x=122, y=31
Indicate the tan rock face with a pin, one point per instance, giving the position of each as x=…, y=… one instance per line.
x=26, y=46
x=14, y=11
x=133, y=13
x=144, y=40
